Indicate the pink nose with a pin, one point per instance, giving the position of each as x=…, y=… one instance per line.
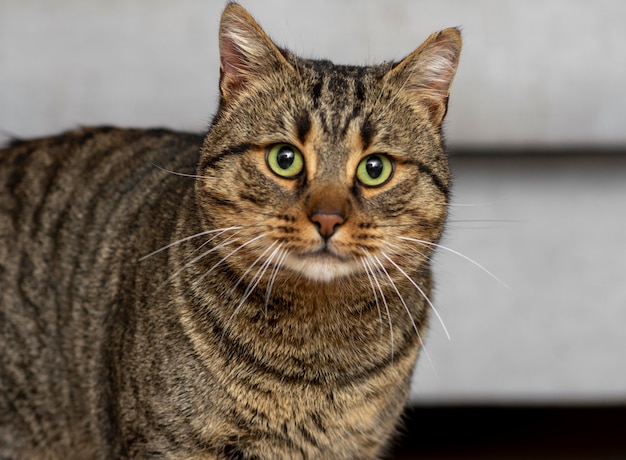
x=327, y=223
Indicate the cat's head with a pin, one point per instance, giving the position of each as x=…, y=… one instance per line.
x=326, y=171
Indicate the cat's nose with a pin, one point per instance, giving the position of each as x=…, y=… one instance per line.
x=327, y=223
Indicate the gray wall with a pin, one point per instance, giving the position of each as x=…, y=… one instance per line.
x=533, y=73
x=551, y=227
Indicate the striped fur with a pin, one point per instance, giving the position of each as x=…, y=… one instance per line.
x=165, y=295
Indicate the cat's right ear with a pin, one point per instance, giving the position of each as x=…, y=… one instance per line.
x=426, y=75
x=246, y=52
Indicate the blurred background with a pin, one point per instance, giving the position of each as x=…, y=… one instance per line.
x=537, y=134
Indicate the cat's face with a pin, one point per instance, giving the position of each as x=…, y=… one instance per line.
x=326, y=171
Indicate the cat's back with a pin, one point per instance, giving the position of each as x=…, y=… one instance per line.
x=73, y=211
x=59, y=193
x=63, y=174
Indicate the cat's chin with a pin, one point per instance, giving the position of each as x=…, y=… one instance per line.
x=321, y=267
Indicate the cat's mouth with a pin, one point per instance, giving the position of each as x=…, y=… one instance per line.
x=323, y=254
x=322, y=264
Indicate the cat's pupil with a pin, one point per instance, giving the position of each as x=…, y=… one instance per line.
x=374, y=167
x=285, y=157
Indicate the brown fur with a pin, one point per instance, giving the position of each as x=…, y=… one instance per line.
x=292, y=332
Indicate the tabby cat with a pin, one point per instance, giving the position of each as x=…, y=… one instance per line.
x=259, y=292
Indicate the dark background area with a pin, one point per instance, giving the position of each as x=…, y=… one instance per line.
x=511, y=432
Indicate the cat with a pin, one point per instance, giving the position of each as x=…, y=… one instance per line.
x=257, y=292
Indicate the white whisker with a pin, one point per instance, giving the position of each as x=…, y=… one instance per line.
x=384, y=299
x=400, y=250
x=223, y=259
x=217, y=235
x=373, y=279
x=256, y=279
x=193, y=176
x=224, y=243
x=381, y=267
x=273, y=275
x=241, y=278
x=473, y=205
x=369, y=277
x=472, y=261
x=421, y=291
x=187, y=238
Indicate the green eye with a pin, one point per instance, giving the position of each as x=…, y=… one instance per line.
x=285, y=160
x=374, y=170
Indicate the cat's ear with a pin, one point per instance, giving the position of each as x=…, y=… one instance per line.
x=246, y=52
x=426, y=74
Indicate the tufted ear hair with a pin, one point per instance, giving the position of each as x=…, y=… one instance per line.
x=246, y=52
x=426, y=74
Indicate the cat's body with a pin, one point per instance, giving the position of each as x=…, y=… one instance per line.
x=284, y=314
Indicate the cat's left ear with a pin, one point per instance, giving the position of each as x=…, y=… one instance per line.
x=426, y=74
x=247, y=54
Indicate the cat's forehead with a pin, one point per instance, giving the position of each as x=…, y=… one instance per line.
x=337, y=75
x=338, y=94
x=326, y=66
